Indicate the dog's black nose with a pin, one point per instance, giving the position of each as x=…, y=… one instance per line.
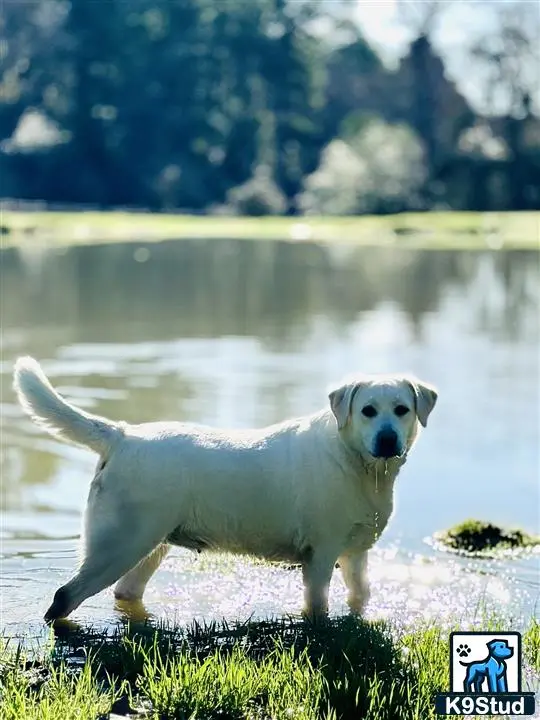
x=386, y=444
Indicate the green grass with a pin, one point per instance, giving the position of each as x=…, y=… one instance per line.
x=531, y=644
x=434, y=230
x=43, y=691
x=285, y=670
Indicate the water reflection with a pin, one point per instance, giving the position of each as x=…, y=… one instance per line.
x=272, y=291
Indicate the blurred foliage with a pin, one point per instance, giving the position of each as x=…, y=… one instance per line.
x=189, y=105
x=258, y=196
x=379, y=169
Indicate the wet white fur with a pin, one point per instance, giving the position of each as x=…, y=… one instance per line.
x=307, y=490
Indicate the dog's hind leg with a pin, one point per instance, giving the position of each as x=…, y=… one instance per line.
x=478, y=682
x=110, y=559
x=117, y=535
x=131, y=586
x=102, y=566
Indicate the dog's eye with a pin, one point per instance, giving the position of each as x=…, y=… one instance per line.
x=369, y=411
x=401, y=410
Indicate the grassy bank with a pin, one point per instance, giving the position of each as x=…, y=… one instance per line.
x=345, y=669
x=437, y=230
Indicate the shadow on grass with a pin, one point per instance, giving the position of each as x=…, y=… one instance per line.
x=340, y=669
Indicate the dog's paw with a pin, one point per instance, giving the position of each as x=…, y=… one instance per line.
x=463, y=651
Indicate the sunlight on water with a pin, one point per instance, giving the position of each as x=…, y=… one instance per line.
x=188, y=586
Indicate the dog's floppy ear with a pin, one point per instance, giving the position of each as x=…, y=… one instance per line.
x=425, y=397
x=341, y=402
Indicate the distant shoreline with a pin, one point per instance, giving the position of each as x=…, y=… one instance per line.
x=422, y=231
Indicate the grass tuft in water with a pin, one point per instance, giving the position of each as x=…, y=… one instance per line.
x=476, y=536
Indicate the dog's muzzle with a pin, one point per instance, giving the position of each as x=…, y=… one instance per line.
x=386, y=444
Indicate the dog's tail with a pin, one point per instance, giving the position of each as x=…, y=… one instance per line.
x=51, y=412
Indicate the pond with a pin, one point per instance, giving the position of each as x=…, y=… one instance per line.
x=246, y=333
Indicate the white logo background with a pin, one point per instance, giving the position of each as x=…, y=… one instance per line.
x=479, y=652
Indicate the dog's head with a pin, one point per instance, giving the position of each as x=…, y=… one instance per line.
x=378, y=416
x=500, y=649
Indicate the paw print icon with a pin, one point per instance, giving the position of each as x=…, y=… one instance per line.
x=463, y=650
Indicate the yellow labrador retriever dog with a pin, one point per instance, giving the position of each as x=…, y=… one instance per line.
x=315, y=490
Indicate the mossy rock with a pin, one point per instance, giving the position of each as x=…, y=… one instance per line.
x=475, y=536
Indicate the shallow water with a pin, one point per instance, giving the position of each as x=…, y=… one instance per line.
x=239, y=334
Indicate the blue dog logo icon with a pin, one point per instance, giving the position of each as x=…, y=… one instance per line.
x=493, y=668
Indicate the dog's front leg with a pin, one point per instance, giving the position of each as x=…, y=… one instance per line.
x=354, y=570
x=316, y=573
x=501, y=685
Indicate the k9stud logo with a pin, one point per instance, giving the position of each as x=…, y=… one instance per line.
x=485, y=676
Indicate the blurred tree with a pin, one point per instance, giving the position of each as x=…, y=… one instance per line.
x=90, y=63
x=375, y=167
x=165, y=104
x=425, y=71
x=186, y=104
x=356, y=78
x=258, y=196
x=508, y=59
x=495, y=163
x=425, y=97
x=27, y=51
x=294, y=86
